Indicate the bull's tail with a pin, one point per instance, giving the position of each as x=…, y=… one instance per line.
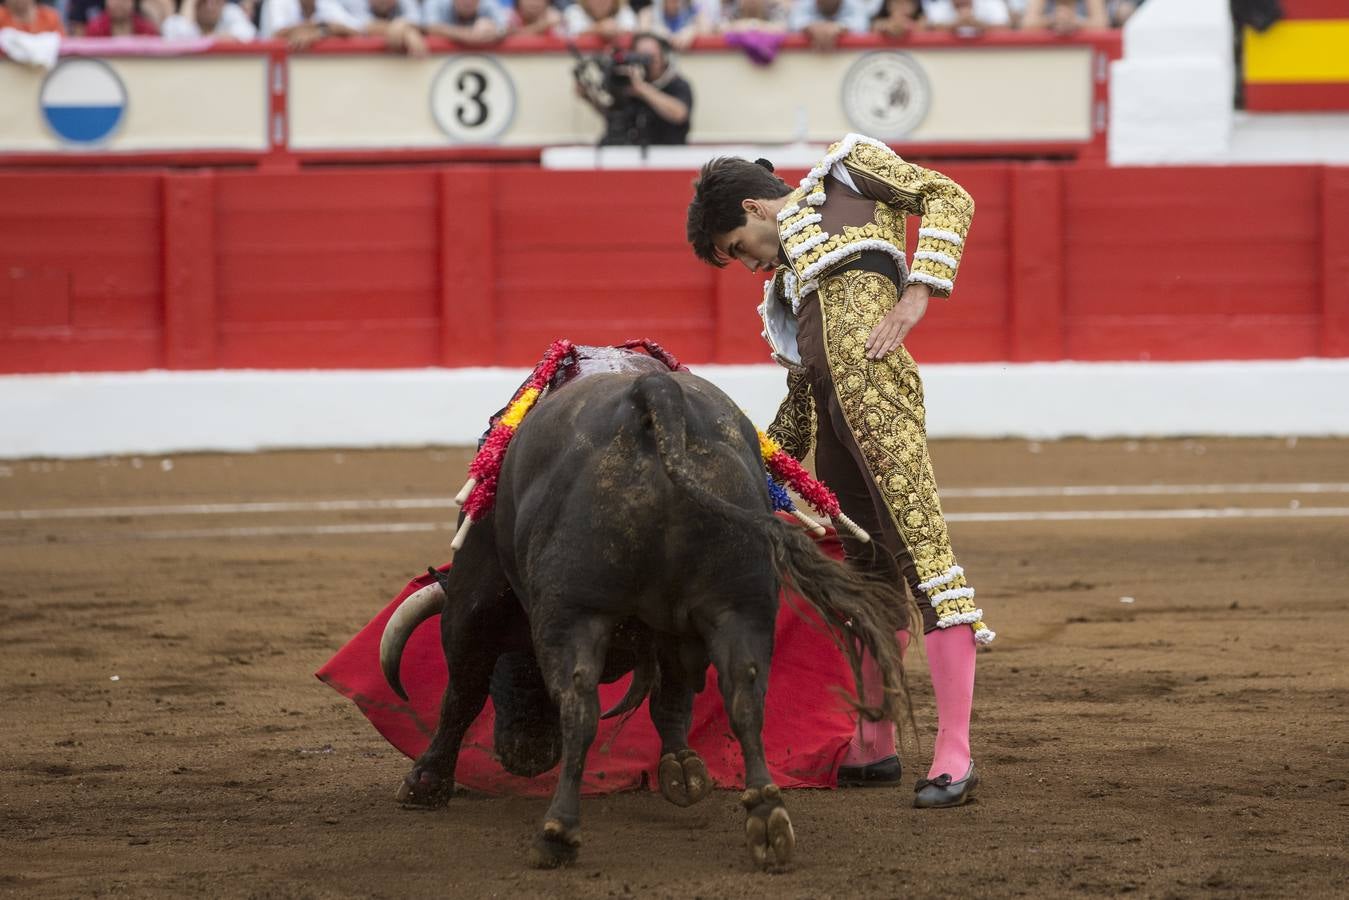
x=861, y=613
x=645, y=674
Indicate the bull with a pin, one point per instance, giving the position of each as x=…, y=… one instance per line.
x=633, y=530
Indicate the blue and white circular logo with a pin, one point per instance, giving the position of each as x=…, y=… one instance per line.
x=83, y=101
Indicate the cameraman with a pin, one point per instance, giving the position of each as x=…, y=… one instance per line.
x=654, y=108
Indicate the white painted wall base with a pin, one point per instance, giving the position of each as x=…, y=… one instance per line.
x=1288, y=139
x=163, y=412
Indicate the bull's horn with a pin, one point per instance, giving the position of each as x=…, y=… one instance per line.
x=462, y=497
x=415, y=609
x=858, y=531
x=462, y=534
x=815, y=527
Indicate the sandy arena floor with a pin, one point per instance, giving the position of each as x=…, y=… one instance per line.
x=1163, y=714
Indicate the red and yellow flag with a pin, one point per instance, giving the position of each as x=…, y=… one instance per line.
x=1301, y=64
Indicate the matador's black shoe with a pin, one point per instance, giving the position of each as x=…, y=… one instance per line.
x=941, y=792
x=881, y=773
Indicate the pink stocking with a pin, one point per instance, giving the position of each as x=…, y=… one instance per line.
x=873, y=741
x=950, y=656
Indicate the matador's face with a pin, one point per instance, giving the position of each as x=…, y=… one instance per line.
x=755, y=244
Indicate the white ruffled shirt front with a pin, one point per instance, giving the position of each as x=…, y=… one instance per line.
x=779, y=324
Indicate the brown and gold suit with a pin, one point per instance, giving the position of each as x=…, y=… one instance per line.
x=843, y=236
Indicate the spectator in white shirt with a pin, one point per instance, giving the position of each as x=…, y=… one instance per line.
x=967, y=17
x=823, y=22
x=677, y=21
x=606, y=19
x=398, y=22
x=466, y=21
x=534, y=17
x=1066, y=15
x=302, y=22
x=214, y=19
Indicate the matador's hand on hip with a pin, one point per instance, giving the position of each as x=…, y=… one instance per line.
x=891, y=331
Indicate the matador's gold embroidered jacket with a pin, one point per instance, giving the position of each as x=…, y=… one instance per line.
x=899, y=189
x=882, y=400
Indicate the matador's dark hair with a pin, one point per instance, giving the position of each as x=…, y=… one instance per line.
x=720, y=188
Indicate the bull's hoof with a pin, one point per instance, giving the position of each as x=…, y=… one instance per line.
x=423, y=789
x=556, y=846
x=683, y=778
x=768, y=829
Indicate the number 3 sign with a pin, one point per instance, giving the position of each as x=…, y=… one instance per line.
x=472, y=99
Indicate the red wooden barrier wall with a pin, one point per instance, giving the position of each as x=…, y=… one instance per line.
x=456, y=266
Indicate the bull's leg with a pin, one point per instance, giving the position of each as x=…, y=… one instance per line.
x=472, y=635
x=741, y=647
x=682, y=774
x=572, y=659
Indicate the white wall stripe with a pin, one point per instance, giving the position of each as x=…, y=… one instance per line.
x=216, y=509
x=1230, y=512
x=113, y=535
x=1148, y=490
x=446, y=502
x=82, y=415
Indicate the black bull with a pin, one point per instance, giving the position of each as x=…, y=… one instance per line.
x=634, y=525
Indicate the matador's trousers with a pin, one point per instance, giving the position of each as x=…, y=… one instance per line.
x=871, y=441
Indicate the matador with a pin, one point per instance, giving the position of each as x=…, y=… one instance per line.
x=841, y=300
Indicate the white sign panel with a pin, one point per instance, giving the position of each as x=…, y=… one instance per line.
x=135, y=104
x=379, y=101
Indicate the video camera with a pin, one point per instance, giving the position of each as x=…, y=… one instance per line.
x=604, y=77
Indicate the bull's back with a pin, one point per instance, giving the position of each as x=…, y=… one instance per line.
x=586, y=489
x=598, y=415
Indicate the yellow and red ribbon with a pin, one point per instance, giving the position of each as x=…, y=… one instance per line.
x=486, y=466
x=479, y=493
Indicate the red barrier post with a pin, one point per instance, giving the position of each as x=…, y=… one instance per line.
x=1035, y=288
x=1102, y=55
x=1334, y=261
x=189, y=270
x=278, y=157
x=468, y=331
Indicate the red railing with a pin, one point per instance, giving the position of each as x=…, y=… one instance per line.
x=483, y=265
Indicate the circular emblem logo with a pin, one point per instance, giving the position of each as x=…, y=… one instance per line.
x=82, y=100
x=886, y=94
x=473, y=99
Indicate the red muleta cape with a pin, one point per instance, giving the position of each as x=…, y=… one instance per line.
x=807, y=723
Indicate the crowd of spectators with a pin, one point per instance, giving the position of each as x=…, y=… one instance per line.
x=404, y=24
